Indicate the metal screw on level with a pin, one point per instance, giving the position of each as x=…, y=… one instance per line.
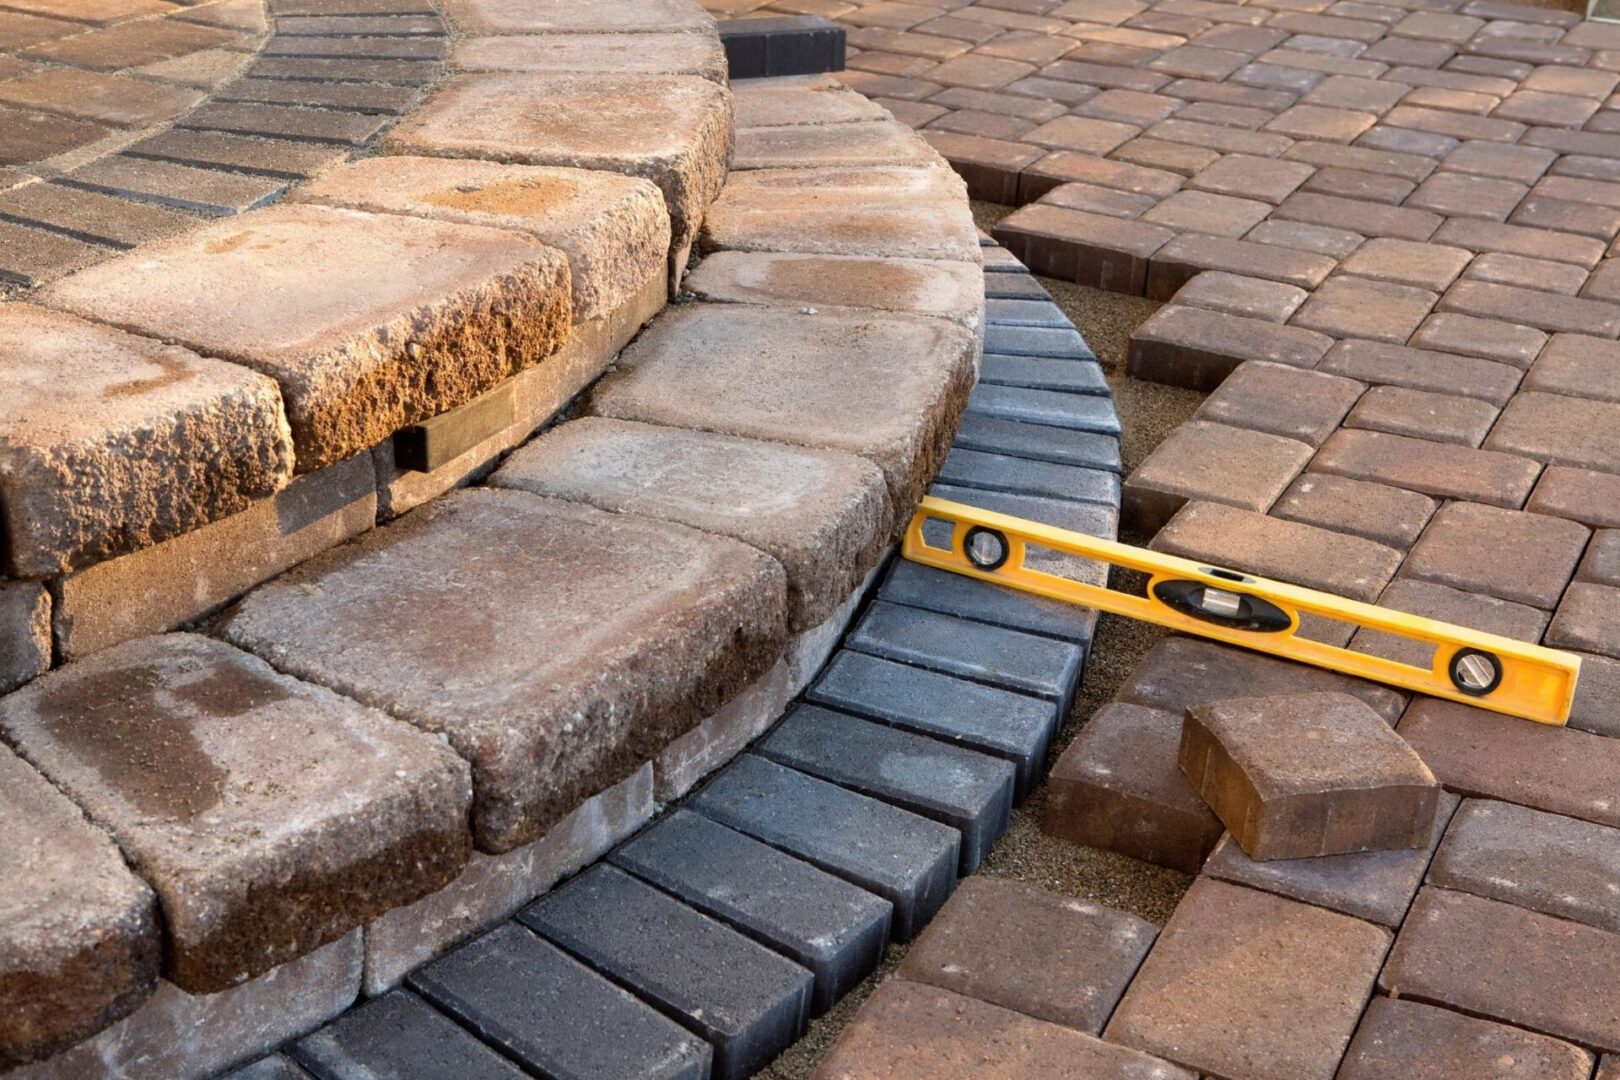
x=1476, y=672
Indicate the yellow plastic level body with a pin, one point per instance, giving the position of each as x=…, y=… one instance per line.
x=1469, y=666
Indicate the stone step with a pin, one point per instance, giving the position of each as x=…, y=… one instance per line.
x=745, y=1000
x=908, y=860
x=513, y=624
x=984, y=718
x=970, y=792
x=834, y=929
x=554, y=1015
x=399, y=1034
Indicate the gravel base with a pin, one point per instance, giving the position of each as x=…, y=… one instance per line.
x=1148, y=412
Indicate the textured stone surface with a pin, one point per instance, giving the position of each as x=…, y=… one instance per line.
x=1406, y=1038
x=614, y=230
x=110, y=442
x=952, y=290
x=1213, y=462
x=536, y=657
x=1282, y=400
x=1035, y=952
x=1380, y=513
x=549, y=16
x=1527, y=558
x=1436, y=469
x=1246, y=984
x=367, y=321
x=81, y=944
x=25, y=632
x=1302, y=775
x=823, y=515
x=256, y=859
x=399, y=1034
x=909, y=1031
x=674, y=130
x=887, y=387
x=595, y=53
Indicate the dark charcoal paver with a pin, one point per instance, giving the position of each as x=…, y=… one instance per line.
x=1087, y=449
x=1039, y=373
x=1078, y=412
x=833, y=928
x=1055, y=343
x=908, y=860
x=555, y=1015
x=997, y=472
x=968, y=791
x=397, y=1036
x=952, y=594
x=746, y=1000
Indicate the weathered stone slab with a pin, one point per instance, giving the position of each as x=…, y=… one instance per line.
x=885, y=212
x=555, y=1015
x=369, y=322
x=911, y=1031
x=80, y=945
x=823, y=515
x=25, y=632
x=1032, y=951
x=944, y=288
x=1421, y=1042
x=1374, y=885
x=549, y=16
x=177, y=745
x=851, y=145
x=110, y=442
x=556, y=646
x=674, y=130
x=564, y=53
x=1242, y=983
x=887, y=387
x=399, y=1034
x=614, y=230
x=725, y=733
x=833, y=929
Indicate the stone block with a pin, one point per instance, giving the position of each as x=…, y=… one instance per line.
x=110, y=442
x=552, y=16
x=221, y=821
x=977, y=470
x=1577, y=366
x=1421, y=414
x=1592, y=498
x=368, y=322
x=1235, y=294
x=1050, y=408
x=1533, y=307
x=1117, y=787
x=908, y=860
x=1503, y=962
x=1422, y=369
x=1408, y=1038
x=1489, y=476
x=1092, y=249
x=1518, y=556
x=851, y=145
x=1092, y=450
x=950, y=290
x=539, y=1006
x=1487, y=236
x=833, y=929
x=1020, y=947
x=1212, y=462
x=969, y=791
x=1366, y=218
x=924, y=587
x=1305, y=406
x=1382, y=514
x=1185, y=346
x=675, y=130
x=25, y=632
x=887, y=387
x=910, y=1031
x=1242, y=983
x=1362, y=308
x=538, y=600
x=647, y=52
x=1252, y=177
x=1560, y=430
x=1403, y=262
x=1588, y=619
x=400, y=1034
x=1039, y=373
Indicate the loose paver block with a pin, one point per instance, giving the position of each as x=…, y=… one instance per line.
x=971, y=792
x=1507, y=963
x=1186, y=346
x=1527, y=558
x=1546, y=862
x=984, y=718
x=1235, y=294
x=399, y=1035
x=554, y=1014
x=614, y=230
x=257, y=855
x=1491, y=756
x=887, y=387
x=1093, y=249
x=111, y=442
x=1191, y=254
x=81, y=942
x=1035, y=952
x=369, y=322
x=1117, y=787
x=1441, y=470
x=1242, y=983
x=823, y=515
x=1213, y=462
x=1377, y=886
x=832, y=928
x=911, y=1031
x=674, y=130
x=908, y=860
x=1410, y=1039
x=746, y=1000
x=554, y=645
x=952, y=290
x=1301, y=775
x=1560, y=430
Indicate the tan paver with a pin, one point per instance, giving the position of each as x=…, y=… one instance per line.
x=545, y=16
x=939, y=287
x=1212, y=462
x=595, y=53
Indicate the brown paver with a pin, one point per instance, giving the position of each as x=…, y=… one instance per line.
x=1388, y=515
x=1421, y=1042
x=1560, y=430
x=1401, y=410
x=368, y=322
x=105, y=219
x=1242, y=983
x=1190, y=347
x=1592, y=498
x=81, y=944
x=1354, y=307
x=1301, y=775
x=1038, y=953
x=27, y=136
x=1092, y=249
x=1193, y=253
x=1281, y=400
x=1533, y=308
x=1478, y=612
x=178, y=746
x=1214, y=462
x=1518, y=556
x=132, y=44
x=1588, y=619
x=1234, y=294
x=109, y=99
x=568, y=646
x=1422, y=369
x=1117, y=787
x=1403, y=262
x=1441, y=470
x=1507, y=963
x=909, y=1031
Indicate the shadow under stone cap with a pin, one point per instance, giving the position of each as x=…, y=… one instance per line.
x=270, y=816
x=557, y=647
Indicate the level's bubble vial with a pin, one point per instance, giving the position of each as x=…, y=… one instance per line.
x=985, y=548
x=1227, y=605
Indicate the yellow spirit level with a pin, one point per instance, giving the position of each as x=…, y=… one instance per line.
x=1476, y=668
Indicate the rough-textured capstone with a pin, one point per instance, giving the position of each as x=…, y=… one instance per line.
x=557, y=53
x=941, y=287
x=25, y=632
